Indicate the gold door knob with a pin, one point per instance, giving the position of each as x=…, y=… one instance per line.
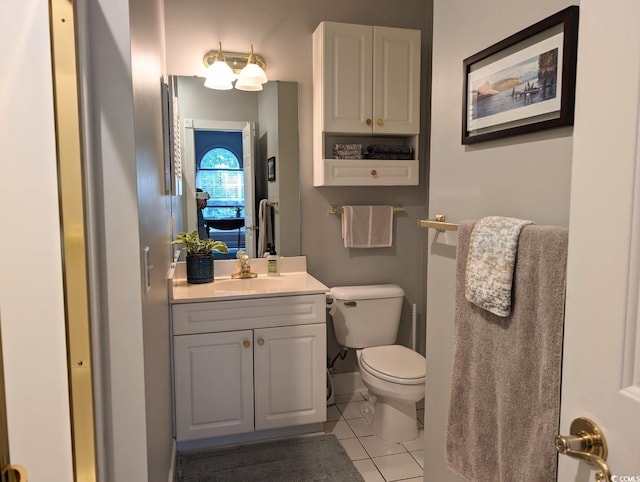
x=14, y=473
x=368, y=122
x=586, y=443
x=374, y=172
x=380, y=122
x=246, y=343
x=260, y=341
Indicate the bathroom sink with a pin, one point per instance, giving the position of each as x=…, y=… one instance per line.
x=249, y=285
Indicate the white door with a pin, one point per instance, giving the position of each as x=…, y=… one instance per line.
x=213, y=379
x=290, y=383
x=601, y=370
x=347, y=76
x=32, y=317
x=396, y=80
x=248, y=154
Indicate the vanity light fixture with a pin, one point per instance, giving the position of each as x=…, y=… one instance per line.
x=248, y=69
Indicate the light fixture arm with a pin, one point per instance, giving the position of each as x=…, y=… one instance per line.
x=236, y=60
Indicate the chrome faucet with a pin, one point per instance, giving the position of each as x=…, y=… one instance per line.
x=245, y=268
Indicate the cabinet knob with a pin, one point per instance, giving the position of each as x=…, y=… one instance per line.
x=260, y=341
x=246, y=343
x=368, y=122
x=380, y=122
x=374, y=172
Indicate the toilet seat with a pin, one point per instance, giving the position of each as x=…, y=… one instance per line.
x=394, y=363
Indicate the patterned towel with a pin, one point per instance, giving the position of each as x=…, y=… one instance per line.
x=491, y=261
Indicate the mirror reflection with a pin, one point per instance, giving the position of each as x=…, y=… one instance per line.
x=240, y=150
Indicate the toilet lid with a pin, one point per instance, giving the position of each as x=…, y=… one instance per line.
x=394, y=363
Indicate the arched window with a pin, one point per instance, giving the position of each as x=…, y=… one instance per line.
x=220, y=174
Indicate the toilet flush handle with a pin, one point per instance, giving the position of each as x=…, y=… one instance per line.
x=350, y=303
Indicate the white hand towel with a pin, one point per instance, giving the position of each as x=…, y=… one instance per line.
x=265, y=229
x=367, y=226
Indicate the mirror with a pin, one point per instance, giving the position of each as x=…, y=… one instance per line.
x=241, y=148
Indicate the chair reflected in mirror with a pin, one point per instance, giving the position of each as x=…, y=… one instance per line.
x=219, y=229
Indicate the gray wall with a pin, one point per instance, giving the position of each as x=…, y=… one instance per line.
x=281, y=32
x=129, y=211
x=525, y=177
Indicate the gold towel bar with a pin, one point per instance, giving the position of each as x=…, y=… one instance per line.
x=398, y=208
x=439, y=223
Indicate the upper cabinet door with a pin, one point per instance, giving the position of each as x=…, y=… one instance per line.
x=347, y=79
x=396, y=81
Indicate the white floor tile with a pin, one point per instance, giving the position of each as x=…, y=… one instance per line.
x=418, y=455
x=397, y=467
x=416, y=444
x=413, y=479
x=350, y=409
x=376, y=447
x=368, y=470
x=339, y=428
x=354, y=449
x=360, y=427
x=333, y=414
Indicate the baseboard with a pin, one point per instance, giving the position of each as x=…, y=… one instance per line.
x=172, y=464
x=249, y=437
x=347, y=383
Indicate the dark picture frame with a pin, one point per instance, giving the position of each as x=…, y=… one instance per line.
x=271, y=169
x=524, y=83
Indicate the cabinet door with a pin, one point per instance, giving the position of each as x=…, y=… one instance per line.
x=213, y=383
x=347, y=71
x=396, y=81
x=290, y=376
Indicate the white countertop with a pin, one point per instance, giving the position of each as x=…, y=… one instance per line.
x=293, y=280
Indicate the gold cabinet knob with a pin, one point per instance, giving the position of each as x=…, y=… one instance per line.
x=368, y=122
x=380, y=122
x=246, y=343
x=374, y=172
x=260, y=341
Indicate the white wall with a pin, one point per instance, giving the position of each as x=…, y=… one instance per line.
x=526, y=177
x=32, y=318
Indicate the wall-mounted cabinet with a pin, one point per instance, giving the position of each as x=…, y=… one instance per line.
x=366, y=90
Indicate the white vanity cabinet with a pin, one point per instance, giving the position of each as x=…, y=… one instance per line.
x=366, y=90
x=248, y=365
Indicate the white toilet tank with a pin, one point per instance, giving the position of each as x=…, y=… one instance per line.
x=365, y=316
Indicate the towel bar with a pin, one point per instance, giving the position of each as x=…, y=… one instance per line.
x=439, y=224
x=398, y=208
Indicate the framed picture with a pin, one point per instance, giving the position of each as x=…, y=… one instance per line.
x=271, y=169
x=524, y=83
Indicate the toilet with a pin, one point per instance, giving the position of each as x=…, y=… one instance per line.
x=367, y=318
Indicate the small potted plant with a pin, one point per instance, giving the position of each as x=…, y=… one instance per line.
x=199, y=258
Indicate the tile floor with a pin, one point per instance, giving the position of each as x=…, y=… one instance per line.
x=377, y=460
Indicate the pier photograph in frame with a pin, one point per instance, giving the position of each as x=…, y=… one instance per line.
x=524, y=83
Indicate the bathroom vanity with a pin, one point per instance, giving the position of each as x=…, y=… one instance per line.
x=249, y=355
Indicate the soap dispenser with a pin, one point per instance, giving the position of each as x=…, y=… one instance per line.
x=273, y=262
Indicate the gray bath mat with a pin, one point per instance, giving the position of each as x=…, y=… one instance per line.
x=319, y=457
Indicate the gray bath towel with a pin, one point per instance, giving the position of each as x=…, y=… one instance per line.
x=505, y=387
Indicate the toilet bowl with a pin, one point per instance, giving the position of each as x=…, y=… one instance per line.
x=394, y=376
x=367, y=318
